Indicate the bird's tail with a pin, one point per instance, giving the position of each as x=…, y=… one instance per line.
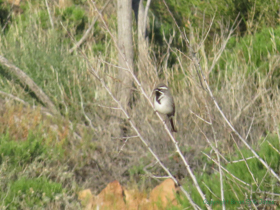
x=173, y=129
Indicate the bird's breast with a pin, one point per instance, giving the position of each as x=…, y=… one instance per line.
x=165, y=106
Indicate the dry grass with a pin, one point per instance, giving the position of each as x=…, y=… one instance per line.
x=89, y=126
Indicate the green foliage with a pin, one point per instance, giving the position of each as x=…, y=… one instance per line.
x=262, y=13
x=99, y=40
x=24, y=152
x=233, y=189
x=79, y=1
x=4, y=12
x=267, y=153
x=180, y=9
x=256, y=49
x=254, y=16
x=136, y=170
x=163, y=26
x=73, y=13
x=44, y=57
x=98, y=47
x=21, y=191
x=253, y=51
x=75, y=17
x=44, y=19
x=32, y=193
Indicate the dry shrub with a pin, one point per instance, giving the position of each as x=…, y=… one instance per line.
x=97, y=152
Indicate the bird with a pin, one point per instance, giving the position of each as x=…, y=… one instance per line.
x=164, y=103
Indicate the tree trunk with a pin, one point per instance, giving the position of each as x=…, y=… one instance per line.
x=126, y=50
x=126, y=55
x=141, y=18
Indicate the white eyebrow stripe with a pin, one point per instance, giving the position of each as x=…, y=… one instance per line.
x=162, y=87
x=161, y=93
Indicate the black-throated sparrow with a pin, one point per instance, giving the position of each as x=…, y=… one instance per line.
x=164, y=103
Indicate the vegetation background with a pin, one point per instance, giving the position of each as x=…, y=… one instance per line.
x=46, y=159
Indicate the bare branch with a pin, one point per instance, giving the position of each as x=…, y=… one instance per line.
x=165, y=126
x=251, y=173
x=238, y=161
x=197, y=64
x=218, y=158
x=144, y=141
x=227, y=170
x=251, y=102
x=209, y=123
x=26, y=80
x=13, y=97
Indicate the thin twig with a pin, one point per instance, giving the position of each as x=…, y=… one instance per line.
x=273, y=147
x=49, y=12
x=275, y=124
x=86, y=34
x=165, y=126
x=245, y=108
x=13, y=97
x=144, y=141
x=214, y=148
x=107, y=107
x=251, y=198
x=222, y=113
x=251, y=173
x=227, y=170
x=209, y=123
x=127, y=138
x=211, y=191
x=238, y=161
x=218, y=158
x=249, y=130
x=263, y=179
x=186, y=39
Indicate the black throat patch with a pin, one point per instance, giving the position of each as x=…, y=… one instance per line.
x=158, y=94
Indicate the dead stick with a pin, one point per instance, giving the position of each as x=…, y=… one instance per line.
x=26, y=80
